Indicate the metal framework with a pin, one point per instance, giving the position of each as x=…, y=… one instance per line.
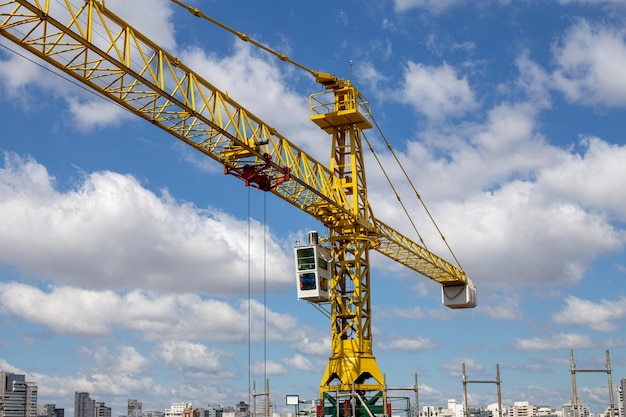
x=607, y=370
x=468, y=381
x=101, y=51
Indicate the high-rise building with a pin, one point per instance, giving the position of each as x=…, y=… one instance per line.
x=621, y=393
x=242, y=408
x=84, y=406
x=177, y=409
x=102, y=410
x=214, y=410
x=18, y=398
x=582, y=410
x=494, y=410
x=50, y=410
x=134, y=408
x=522, y=409
x=456, y=408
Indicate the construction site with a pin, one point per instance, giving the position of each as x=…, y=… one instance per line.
x=332, y=267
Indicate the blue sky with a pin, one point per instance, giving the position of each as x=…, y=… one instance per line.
x=124, y=255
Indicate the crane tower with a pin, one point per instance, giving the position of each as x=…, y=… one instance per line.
x=96, y=47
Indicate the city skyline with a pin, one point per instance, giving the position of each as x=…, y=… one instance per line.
x=11, y=395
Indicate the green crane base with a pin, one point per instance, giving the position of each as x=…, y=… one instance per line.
x=366, y=407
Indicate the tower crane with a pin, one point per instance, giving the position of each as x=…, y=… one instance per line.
x=100, y=50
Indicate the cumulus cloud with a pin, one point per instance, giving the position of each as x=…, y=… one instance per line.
x=582, y=177
x=300, y=362
x=601, y=316
x=261, y=86
x=590, y=60
x=110, y=232
x=501, y=307
x=408, y=344
x=454, y=367
x=74, y=311
x=434, y=6
x=267, y=368
x=593, y=2
x=436, y=92
x=534, y=198
x=554, y=342
x=313, y=346
x=156, y=25
x=125, y=360
x=186, y=357
x=417, y=312
x=18, y=74
x=95, y=113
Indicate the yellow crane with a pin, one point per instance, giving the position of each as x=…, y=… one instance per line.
x=96, y=47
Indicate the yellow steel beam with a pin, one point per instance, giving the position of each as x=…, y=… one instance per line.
x=99, y=49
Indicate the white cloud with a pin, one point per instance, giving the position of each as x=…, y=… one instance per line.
x=262, y=86
x=90, y=114
x=408, y=344
x=434, y=6
x=437, y=92
x=534, y=81
x=126, y=360
x=18, y=74
x=602, y=316
x=585, y=177
x=300, y=362
x=150, y=17
x=517, y=225
x=533, y=199
x=593, y=2
x=188, y=357
x=368, y=74
x=554, y=342
x=267, y=368
x=501, y=307
x=454, y=367
x=502, y=189
x=509, y=129
x=415, y=312
x=110, y=232
x=590, y=65
x=313, y=346
x=73, y=311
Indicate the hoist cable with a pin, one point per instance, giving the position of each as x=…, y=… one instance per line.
x=244, y=37
x=63, y=77
x=393, y=188
x=283, y=57
x=417, y=194
x=249, y=308
x=265, y=289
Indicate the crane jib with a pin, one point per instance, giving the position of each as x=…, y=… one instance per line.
x=101, y=51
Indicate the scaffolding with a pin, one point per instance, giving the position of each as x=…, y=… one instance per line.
x=354, y=404
x=266, y=400
x=607, y=370
x=496, y=381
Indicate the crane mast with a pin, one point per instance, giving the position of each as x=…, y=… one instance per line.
x=100, y=50
x=352, y=365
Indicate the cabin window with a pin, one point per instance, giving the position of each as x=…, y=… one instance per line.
x=307, y=281
x=306, y=259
